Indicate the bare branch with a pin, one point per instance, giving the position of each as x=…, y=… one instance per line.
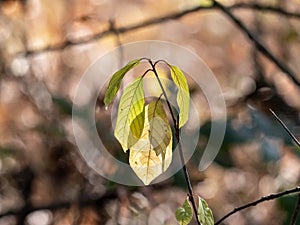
x=258, y=44
x=285, y=127
x=266, y=8
x=263, y=199
x=114, y=30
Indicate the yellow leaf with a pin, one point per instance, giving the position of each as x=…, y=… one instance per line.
x=183, y=95
x=151, y=155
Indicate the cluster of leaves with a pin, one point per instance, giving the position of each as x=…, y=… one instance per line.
x=184, y=214
x=143, y=128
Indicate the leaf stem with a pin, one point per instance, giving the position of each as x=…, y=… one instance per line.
x=177, y=136
x=164, y=93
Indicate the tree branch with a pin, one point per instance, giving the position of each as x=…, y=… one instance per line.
x=285, y=127
x=263, y=199
x=267, y=8
x=115, y=30
x=258, y=44
x=172, y=16
x=273, y=196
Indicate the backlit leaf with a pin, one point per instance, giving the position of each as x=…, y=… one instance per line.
x=160, y=131
x=115, y=82
x=184, y=214
x=205, y=215
x=130, y=119
x=143, y=158
x=136, y=129
x=183, y=95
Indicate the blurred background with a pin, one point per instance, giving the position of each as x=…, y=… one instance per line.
x=45, y=48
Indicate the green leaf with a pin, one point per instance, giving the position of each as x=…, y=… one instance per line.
x=184, y=214
x=183, y=95
x=131, y=107
x=143, y=158
x=115, y=82
x=205, y=215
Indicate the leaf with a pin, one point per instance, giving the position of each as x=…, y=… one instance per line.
x=136, y=129
x=115, y=81
x=184, y=214
x=131, y=107
x=143, y=159
x=160, y=131
x=183, y=95
x=205, y=215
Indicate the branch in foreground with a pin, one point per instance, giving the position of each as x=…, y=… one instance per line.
x=261, y=47
x=263, y=199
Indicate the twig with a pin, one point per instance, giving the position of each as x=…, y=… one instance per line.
x=263, y=199
x=114, y=30
x=296, y=212
x=259, y=7
x=297, y=206
x=259, y=45
x=285, y=127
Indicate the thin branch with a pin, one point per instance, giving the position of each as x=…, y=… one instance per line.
x=296, y=212
x=154, y=21
x=261, y=200
x=258, y=44
x=285, y=127
x=114, y=30
x=266, y=8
